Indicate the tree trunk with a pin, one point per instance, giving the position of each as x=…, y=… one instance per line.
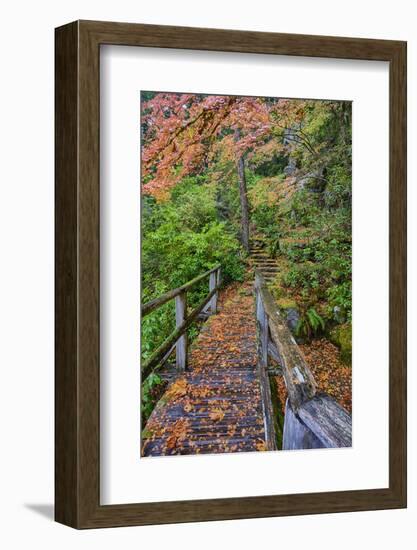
x=244, y=206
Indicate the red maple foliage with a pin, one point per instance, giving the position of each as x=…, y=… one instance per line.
x=181, y=132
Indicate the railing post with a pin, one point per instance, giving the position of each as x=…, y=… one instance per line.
x=181, y=346
x=263, y=330
x=262, y=335
x=212, y=286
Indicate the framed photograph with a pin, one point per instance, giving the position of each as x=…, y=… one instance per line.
x=230, y=274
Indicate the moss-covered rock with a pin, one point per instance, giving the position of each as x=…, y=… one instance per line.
x=286, y=303
x=341, y=335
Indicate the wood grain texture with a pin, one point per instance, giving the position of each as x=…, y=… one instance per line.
x=77, y=274
x=66, y=406
x=181, y=345
x=262, y=346
x=299, y=379
x=398, y=273
x=319, y=423
x=216, y=405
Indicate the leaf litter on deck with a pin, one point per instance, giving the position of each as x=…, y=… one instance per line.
x=215, y=406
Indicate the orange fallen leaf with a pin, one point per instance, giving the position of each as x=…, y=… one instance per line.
x=177, y=389
x=216, y=415
x=261, y=446
x=171, y=441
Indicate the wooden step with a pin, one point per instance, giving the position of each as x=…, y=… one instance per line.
x=268, y=270
x=273, y=267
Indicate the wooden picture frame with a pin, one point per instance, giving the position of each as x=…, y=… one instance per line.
x=77, y=382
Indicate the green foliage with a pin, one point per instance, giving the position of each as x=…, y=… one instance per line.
x=274, y=247
x=149, y=394
x=304, y=276
x=320, y=257
x=338, y=192
x=310, y=323
x=341, y=335
x=341, y=296
x=182, y=238
x=310, y=230
x=271, y=167
x=156, y=326
x=264, y=203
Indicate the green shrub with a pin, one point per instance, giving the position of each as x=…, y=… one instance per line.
x=182, y=239
x=150, y=395
x=310, y=323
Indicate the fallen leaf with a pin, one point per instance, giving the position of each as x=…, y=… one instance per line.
x=261, y=446
x=217, y=414
x=171, y=441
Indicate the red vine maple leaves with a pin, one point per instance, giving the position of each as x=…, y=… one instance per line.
x=181, y=132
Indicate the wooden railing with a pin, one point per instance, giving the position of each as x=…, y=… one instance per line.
x=311, y=420
x=178, y=338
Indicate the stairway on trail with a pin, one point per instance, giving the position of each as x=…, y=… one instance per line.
x=262, y=261
x=215, y=405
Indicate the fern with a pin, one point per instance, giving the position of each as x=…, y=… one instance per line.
x=315, y=320
x=309, y=324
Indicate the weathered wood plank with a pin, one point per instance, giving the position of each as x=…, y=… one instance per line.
x=296, y=434
x=273, y=352
x=318, y=423
x=266, y=398
x=212, y=286
x=328, y=421
x=161, y=300
x=219, y=408
x=298, y=378
x=263, y=330
x=180, y=316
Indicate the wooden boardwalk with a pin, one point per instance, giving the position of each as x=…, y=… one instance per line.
x=215, y=406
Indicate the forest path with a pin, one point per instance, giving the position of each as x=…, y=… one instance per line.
x=262, y=261
x=215, y=406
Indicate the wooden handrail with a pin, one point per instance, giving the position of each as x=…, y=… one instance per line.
x=178, y=338
x=312, y=420
x=171, y=294
x=299, y=380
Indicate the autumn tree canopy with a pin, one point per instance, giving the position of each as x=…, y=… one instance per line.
x=182, y=130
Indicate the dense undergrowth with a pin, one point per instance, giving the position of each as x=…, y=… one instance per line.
x=181, y=239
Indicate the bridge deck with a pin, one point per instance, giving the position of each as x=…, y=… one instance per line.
x=215, y=407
